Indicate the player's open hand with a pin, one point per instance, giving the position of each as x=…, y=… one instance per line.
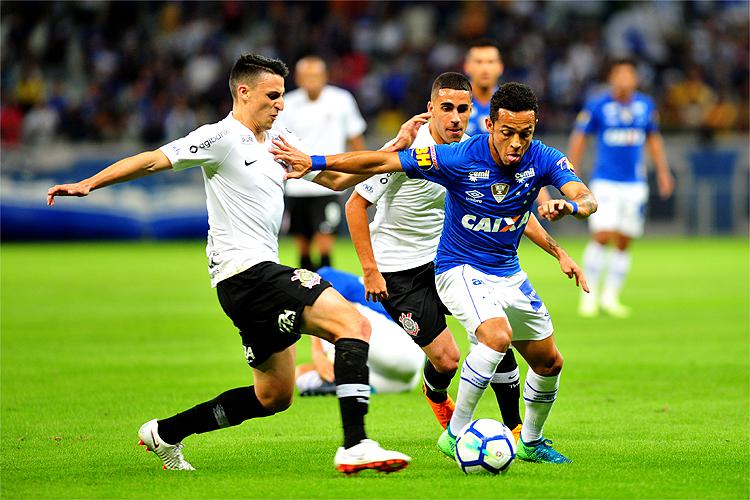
x=297, y=161
x=78, y=189
x=572, y=270
x=408, y=132
x=555, y=209
x=665, y=182
x=375, y=288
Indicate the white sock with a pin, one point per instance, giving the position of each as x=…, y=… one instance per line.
x=539, y=393
x=594, y=261
x=619, y=265
x=476, y=374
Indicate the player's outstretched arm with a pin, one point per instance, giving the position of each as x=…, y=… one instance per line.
x=127, y=169
x=359, y=229
x=357, y=162
x=541, y=238
x=580, y=204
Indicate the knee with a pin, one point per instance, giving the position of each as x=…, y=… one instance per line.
x=275, y=402
x=550, y=367
x=447, y=362
x=354, y=326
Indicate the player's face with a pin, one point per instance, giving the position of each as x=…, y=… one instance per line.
x=450, y=114
x=483, y=66
x=511, y=134
x=311, y=76
x=263, y=101
x=624, y=79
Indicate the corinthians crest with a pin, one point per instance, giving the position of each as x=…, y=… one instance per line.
x=409, y=325
x=306, y=278
x=499, y=190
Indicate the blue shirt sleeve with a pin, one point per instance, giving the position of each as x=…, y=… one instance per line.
x=435, y=163
x=652, y=125
x=558, y=169
x=587, y=120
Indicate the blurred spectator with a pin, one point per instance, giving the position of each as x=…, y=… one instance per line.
x=11, y=120
x=40, y=125
x=690, y=100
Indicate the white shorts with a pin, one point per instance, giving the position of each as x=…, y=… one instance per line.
x=473, y=297
x=622, y=207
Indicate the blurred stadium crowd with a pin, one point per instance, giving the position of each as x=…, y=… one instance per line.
x=152, y=71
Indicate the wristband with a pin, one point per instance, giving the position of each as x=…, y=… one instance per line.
x=318, y=162
x=575, y=207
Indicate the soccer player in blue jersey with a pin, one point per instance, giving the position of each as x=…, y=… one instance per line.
x=492, y=181
x=483, y=65
x=624, y=121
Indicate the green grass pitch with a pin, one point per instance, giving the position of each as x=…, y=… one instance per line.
x=98, y=338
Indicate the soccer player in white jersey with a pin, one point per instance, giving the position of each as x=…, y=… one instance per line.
x=327, y=121
x=478, y=275
x=269, y=303
x=624, y=121
x=397, y=252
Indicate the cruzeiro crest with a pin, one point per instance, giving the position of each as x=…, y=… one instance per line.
x=306, y=278
x=499, y=190
x=408, y=324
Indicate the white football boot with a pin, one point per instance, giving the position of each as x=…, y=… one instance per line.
x=369, y=455
x=611, y=305
x=170, y=454
x=588, y=307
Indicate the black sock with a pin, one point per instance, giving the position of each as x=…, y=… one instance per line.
x=226, y=410
x=325, y=260
x=436, y=383
x=507, y=387
x=305, y=262
x=352, y=387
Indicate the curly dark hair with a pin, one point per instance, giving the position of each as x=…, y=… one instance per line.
x=249, y=66
x=513, y=96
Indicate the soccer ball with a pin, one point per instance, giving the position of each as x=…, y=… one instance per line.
x=485, y=446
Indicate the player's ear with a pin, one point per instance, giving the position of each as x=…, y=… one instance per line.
x=488, y=123
x=430, y=107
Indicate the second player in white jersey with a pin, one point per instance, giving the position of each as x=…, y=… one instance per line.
x=409, y=217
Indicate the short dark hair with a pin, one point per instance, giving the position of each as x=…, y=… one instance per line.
x=513, y=96
x=450, y=80
x=484, y=42
x=629, y=61
x=249, y=66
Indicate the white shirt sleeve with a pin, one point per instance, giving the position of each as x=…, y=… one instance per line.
x=376, y=186
x=202, y=147
x=355, y=124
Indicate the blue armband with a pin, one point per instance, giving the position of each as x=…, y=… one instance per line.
x=575, y=207
x=318, y=162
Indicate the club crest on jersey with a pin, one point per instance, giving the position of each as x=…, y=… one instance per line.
x=408, y=324
x=480, y=174
x=306, y=278
x=499, y=190
x=425, y=158
x=286, y=321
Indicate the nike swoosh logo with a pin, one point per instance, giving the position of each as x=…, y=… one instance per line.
x=156, y=441
x=248, y=163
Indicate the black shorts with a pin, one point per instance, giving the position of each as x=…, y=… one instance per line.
x=314, y=214
x=414, y=304
x=265, y=302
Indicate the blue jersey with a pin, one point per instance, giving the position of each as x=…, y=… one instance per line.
x=477, y=117
x=621, y=131
x=487, y=206
x=351, y=287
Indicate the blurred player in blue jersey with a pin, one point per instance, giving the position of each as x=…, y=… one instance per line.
x=624, y=121
x=491, y=183
x=483, y=65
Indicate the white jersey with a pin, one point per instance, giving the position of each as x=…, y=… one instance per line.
x=409, y=218
x=324, y=126
x=244, y=192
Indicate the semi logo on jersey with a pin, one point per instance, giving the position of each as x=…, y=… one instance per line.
x=499, y=190
x=286, y=321
x=408, y=324
x=564, y=163
x=526, y=174
x=482, y=174
x=306, y=278
x=425, y=158
x=490, y=225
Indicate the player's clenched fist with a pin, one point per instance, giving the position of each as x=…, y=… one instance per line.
x=298, y=162
x=555, y=209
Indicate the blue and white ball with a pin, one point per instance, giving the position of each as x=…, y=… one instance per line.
x=485, y=446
